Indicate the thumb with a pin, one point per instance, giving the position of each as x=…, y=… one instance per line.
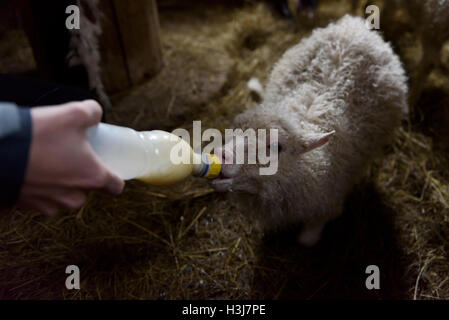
x=113, y=184
x=85, y=113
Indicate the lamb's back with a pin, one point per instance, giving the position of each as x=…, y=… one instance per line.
x=346, y=78
x=341, y=61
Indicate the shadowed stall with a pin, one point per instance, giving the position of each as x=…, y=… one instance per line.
x=189, y=242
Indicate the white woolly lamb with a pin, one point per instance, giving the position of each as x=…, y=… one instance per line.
x=336, y=99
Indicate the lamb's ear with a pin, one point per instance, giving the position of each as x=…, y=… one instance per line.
x=317, y=140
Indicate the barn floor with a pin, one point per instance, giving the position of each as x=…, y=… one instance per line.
x=188, y=242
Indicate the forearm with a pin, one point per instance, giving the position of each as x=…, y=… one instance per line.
x=15, y=140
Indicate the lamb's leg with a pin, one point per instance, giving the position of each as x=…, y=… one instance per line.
x=311, y=233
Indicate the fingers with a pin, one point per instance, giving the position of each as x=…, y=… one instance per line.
x=46, y=207
x=85, y=113
x=101, y=178
x=94, y=112
x=73, y=199
x=113, y=184
x=51, y=200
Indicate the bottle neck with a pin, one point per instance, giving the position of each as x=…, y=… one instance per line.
x=206, y=165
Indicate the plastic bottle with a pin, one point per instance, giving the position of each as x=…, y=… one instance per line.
x=156, y=157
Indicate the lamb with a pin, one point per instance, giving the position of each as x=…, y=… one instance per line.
x=335, y=98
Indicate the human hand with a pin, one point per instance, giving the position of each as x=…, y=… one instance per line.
x=62, y=165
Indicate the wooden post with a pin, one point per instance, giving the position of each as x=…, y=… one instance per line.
x=114, y=70
x=139, y=28
x=130, y=45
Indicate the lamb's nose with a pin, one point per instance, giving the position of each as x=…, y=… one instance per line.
x=219, y=152
x=225, y=156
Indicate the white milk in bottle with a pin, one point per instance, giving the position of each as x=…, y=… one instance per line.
x=156, y=157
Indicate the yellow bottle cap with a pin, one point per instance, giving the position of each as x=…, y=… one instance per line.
x=214, y=166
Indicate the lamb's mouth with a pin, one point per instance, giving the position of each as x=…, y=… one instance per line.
x=222, y=183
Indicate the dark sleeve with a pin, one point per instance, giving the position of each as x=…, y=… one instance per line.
x=15, y=141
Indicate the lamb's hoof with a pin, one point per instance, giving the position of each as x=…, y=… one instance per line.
x=308, y=238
